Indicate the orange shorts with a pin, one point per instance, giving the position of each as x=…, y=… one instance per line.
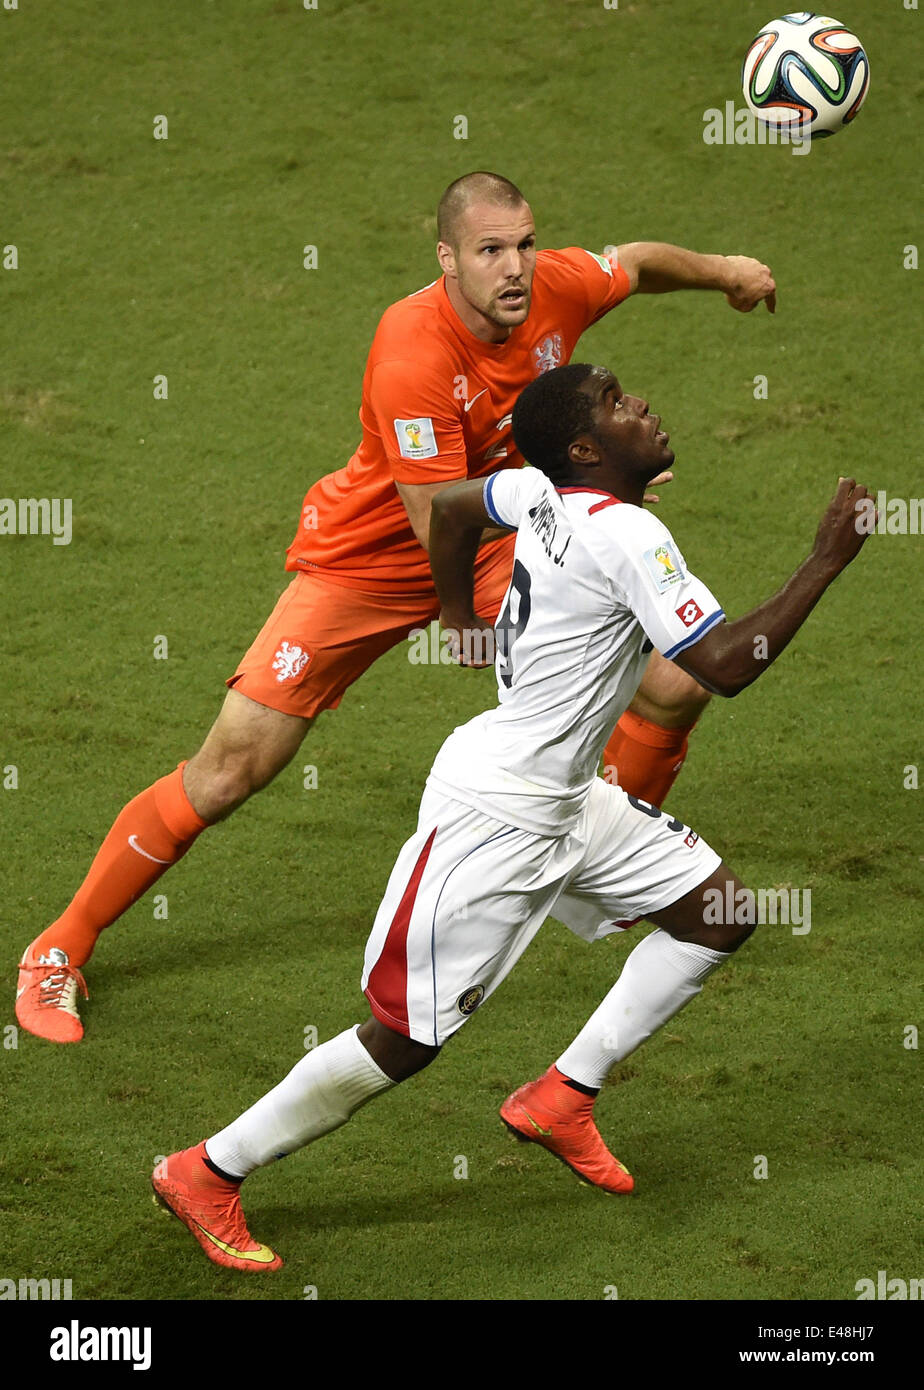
x=321, y=637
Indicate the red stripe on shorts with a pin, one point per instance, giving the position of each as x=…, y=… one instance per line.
x=387, y=986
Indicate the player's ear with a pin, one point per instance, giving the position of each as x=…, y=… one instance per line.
x=584, y=451
x=446, y=257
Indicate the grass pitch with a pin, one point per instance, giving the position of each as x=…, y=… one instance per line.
x=184, y=257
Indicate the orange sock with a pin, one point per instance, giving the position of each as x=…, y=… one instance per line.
x=151, y=833
x=644, y=758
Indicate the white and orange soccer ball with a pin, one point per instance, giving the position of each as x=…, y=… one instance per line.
x=806, y=73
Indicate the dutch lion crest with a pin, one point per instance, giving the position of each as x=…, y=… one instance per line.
x=289, y=661
x=548, y=353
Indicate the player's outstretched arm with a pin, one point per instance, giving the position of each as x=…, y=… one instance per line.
x=732, y=655
x=457, y=518
x=656, y=267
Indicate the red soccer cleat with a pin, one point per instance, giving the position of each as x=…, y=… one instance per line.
x=211, y=1208
x=550, y=1113
x=46, y=996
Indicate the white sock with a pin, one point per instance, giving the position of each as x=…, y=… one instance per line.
x=319, y=1095
x=658, y=978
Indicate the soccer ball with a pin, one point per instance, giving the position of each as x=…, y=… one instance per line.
x=805, y=73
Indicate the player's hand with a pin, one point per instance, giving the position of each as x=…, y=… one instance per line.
x=848, y=521
x=471, y=639
x=659, y=481
x=749, y=282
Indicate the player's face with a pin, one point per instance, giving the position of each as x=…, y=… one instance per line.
x=632, y=437
x=494, y=263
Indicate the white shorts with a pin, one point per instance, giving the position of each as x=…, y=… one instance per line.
x=468, y=894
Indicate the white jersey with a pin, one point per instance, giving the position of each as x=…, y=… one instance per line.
x=596, y=584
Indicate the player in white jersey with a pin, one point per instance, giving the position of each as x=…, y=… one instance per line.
x=514, y=823
x=595, y=582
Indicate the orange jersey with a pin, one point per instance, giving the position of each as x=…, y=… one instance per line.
x=437, y=405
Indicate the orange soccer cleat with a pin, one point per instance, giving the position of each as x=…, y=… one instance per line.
x=210, y=1207
x=553, y=1114
x=46, y=996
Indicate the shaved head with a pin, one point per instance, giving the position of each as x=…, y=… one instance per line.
x=488, y=190
x=487, y=253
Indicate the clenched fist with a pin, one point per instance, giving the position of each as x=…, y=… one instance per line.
x=749, y=282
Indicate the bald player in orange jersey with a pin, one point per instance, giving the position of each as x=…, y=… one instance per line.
x=444, y=370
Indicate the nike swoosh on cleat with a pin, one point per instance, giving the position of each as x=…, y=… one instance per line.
x=263, y=1256
x=469, y=404
x=537, y=1128
x=138, y=850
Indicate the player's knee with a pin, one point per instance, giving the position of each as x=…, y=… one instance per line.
x=731, y=936
x=736, y=919
x=669, y=697
x=726, y=937
x=396, y=1055
x=720, y=914
x=690, y=703
x=217, y=784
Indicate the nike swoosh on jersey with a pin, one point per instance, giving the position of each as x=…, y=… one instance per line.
x=132, y=840
x=469, y=404
x=263, y=1256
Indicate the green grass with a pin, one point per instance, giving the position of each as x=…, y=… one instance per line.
x=183, y=257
